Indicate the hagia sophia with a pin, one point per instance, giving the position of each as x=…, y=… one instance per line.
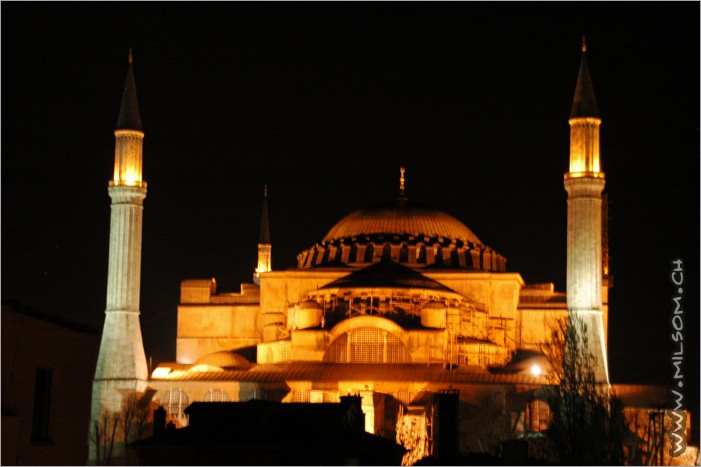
x=398, y=301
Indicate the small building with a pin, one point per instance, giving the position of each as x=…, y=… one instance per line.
x=47, y=375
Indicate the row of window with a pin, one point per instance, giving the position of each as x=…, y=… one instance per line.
x=367, y=345
x=175, y=400
x=481, y=259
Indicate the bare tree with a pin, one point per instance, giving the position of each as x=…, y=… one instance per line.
x=133, y=420
x=484, y=428
x=103, y=436
x=587, y=423
x=645, y=444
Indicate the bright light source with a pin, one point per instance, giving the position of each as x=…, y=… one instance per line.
x=536, y=370
x=160, y=372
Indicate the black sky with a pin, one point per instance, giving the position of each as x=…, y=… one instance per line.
x=324, y=102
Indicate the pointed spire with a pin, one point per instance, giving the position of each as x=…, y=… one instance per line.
x=584, y=103
x=129, y=117
x=264, y=238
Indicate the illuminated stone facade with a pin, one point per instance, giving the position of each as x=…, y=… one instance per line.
x=121, y=365
x=398, y=301
x=584, y=183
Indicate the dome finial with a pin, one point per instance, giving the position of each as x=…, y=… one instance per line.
x=131, y=58
x=401, y=179
x=584, y=44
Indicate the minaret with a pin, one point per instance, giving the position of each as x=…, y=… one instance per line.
x=584, y=183
x=264, y=246
x=121, y=365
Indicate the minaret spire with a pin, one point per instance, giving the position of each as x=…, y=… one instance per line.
x=264, y=246
x=121, y=371
x=129, y=117
x=584, y=183
x=584, y=103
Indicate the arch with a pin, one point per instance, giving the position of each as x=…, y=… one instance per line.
x=421, y=254
x=353, y=257
x=454, y=258
x=387, y=252
x=369, y=252
x=438, y=257
x=404, y=254
x=175, y=401
x=369, y=321
x=367, y=345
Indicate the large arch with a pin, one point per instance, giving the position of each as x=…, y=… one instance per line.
x=369, y=321
x=367, y=339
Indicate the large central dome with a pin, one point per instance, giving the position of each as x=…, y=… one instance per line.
x=402, y=219
x=410, y=234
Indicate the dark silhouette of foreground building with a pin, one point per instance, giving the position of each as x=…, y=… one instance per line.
x=260, y=432
x=47, y=370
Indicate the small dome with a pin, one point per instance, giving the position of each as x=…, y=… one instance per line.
x=225, y=359
x=401, y=219
x=309, y=304
x=434, y=305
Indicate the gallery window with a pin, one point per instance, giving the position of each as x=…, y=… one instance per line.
x=367, y=345
x=216, y=395
x=175, y=401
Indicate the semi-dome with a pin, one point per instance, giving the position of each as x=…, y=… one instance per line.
x=225, y=359
x=401, y=219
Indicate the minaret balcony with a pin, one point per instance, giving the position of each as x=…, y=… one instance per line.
x=134, y=183
x=585, y=174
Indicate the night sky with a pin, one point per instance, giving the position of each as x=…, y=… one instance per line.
x=324, y=102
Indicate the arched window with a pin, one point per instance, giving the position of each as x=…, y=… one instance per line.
x=387, y=252
x=438, y=258
x=367, y=345
x=404, y=254
x=454, y=258
x=421, y=254
x=369, y=252
x=216, y=395
x=353, y=257
x=175, y=401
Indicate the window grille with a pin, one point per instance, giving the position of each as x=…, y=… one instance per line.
x=175, y=401
x=537, y=415
x=301, y=395
x=216, y=395
x=285, y=355
x=367, y=345
x=404, y=397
